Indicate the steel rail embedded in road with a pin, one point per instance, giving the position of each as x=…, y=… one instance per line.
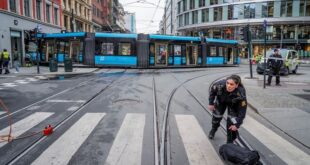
x=64, y=121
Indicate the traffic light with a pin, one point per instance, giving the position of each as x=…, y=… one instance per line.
x=245, y=33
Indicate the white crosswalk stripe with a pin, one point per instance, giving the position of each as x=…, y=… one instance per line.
x=2, y=112
x=71, y=139
x=73, y=108
x=198, y=148
x=289, y=153
x=127, y=146
x=8, y=85
x=41, y=77
x=21, y=81
x=31, y=79
x=25, y=124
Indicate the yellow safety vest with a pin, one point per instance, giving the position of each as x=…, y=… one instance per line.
x=6, y=55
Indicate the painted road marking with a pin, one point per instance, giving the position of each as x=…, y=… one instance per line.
x=289, y=153
x=41, y=77
x=73, y=108
x=8, y=84
x=2, y=112
x=25, y=124
x=65, y=101
x=33, y=108
x=198, y=148
x=127, y=146
x=61, y=151
x=32, y=79
x=21, y=81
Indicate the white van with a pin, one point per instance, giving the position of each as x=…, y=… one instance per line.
x=291, y=61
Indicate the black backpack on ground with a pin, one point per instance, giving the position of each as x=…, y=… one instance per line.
x=239, y=155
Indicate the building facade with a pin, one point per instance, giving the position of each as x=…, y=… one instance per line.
x=130, y=22
x=288, y=21
x=77, y=15
x=170, y=17
x=97, y=14
x=18, y=17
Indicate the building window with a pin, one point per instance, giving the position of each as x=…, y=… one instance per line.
x=214, y=2
x=195, y=17
x=56, y=16
x=179, y=7
x=202, y=3
x=270, y=9
x=191, y=4
x=65, y=22
x=249, y=11
x=230, y=12
x=205, y=15
x=48, y=17
x=218, y=13
x=26, y=8
x=186, y=19
x=307, y=8
x=264, y=10
x=286, y=8
x=289, y=32
x=94, y=10
x=13, y=6
x=184, y=5
x=236, y=12
x=38, y=9
x=302, y=8
x=304, y=32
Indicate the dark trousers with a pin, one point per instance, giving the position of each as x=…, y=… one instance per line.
x=1, y=65
x=216, y=121
x=6, y=67
x=275, y=72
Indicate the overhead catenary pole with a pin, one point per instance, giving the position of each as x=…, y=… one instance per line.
x=265, y=40
x=248, y=33
x=37, y=54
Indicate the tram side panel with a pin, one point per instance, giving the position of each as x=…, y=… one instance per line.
x=115, y=52
x=89, y=49
x=142, y=47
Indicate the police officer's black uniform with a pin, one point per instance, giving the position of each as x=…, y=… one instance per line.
x=274, y=64
x=235, y=102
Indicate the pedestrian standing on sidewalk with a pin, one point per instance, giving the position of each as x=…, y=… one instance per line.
x=16, y=60
x=274, y=64
x=1, y=62
x=6, y=61
x=228, y=93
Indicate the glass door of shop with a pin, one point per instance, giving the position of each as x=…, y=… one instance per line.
x=161, y=54
x=192, y=55
x=16, y=46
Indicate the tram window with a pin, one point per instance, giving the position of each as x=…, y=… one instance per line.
x=177, y=50
x=220, y=51
x=152, y=49
x=213, y=51
x=107, y=49
x=64, y=48
x=124, y=49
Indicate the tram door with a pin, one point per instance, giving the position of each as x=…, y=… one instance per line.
x=192, y=55
x=161, y=54
x=229, y=55
x=75, y=53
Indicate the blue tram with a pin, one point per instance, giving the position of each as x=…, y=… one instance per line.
x=139, y=50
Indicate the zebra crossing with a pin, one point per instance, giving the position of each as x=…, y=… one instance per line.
x=127, y=147
x=24, y=81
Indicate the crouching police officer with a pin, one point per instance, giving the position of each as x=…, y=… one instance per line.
x=230, y=94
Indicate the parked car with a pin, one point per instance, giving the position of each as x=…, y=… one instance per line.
x=291, y=61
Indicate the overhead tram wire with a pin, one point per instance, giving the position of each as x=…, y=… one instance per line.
x=154, y=14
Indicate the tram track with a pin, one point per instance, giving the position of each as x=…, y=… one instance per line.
x=61, y=123
x=164, y=152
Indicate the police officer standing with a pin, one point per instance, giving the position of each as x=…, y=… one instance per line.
x=230, y=94
x=274, y=64
x=6, y=60
x=1, y=62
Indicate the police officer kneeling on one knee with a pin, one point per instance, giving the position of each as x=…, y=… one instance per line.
x=230, y=94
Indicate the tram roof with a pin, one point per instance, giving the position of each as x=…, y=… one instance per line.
x=176, y=38
x=64, y=35
x=214, y=40
x=116, y=35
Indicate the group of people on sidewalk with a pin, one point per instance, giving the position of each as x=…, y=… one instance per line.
x=5, y=61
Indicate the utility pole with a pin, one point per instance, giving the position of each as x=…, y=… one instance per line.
x=37, y=54
x=248, y=33
x=265, y=40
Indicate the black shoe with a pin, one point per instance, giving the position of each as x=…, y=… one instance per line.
x=278, y=84
x=268, y=84
x=212, y=133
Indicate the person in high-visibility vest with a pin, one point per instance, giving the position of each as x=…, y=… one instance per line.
x=6, y=60
x=1, y=62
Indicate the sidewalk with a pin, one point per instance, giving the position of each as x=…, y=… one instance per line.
x=287, y=106
x=44, y=70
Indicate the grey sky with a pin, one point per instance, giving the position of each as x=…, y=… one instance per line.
x=145, y=10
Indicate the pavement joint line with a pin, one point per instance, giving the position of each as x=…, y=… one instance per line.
x=66, y=101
